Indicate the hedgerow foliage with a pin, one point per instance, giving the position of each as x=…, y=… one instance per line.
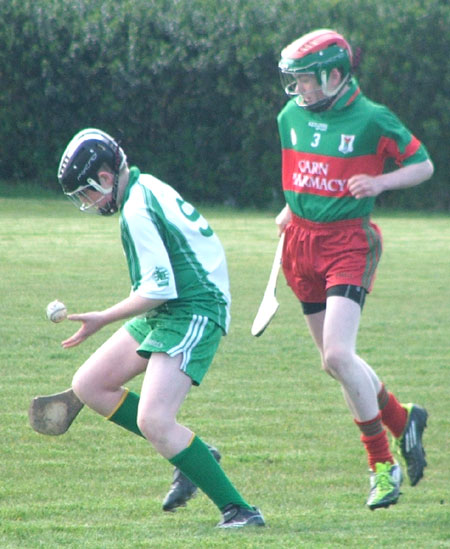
x=192, y=87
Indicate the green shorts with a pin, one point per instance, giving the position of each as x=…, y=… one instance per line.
x=196, y=337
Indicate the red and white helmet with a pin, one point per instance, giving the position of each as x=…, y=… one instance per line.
x=318, y=53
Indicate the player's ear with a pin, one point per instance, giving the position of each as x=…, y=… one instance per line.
x=105, y=178
x=335, y=77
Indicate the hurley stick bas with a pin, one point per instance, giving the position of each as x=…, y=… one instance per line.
x=269, y=304
x=54, y=414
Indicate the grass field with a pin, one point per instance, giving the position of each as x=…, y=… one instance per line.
x=287, y=440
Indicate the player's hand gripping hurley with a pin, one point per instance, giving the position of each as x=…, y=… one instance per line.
x=269, y=304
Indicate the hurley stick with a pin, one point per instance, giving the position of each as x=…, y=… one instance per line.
x=54, y=414
x=269, y=304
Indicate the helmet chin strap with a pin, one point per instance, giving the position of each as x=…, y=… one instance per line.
x=318, y=106
x=111, y=207
x=321, y=105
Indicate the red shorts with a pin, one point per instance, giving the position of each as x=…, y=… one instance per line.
x=317, y=256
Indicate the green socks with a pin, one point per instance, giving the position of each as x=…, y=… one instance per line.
x=125, y=413
x=199, y=465
x=195, y=461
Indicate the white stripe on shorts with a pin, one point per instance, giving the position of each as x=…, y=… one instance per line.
x=190, y=340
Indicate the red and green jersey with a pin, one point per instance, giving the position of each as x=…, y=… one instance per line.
x=321, y=151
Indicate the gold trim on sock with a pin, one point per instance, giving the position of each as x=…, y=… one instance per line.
x=119, y=404
x=191, y=440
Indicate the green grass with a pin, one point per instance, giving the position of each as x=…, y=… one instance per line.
x=287, y=440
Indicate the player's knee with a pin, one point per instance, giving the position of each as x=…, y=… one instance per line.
x=87, y=386
x=79, y=386
x=336, y=361
x=154, y=425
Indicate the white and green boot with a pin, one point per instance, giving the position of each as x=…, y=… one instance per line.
x=385, y=484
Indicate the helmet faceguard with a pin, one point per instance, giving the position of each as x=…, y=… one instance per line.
x=316, y=53
x=88, y=152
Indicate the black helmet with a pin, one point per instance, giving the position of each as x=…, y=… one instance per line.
x=84, y=156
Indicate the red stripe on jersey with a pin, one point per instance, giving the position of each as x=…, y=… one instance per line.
x=324, y=175
x=353, y=97
x=388, y=148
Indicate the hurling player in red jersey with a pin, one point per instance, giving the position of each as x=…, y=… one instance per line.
x=334, y=145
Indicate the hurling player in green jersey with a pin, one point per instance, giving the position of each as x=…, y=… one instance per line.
x=177, y=313
x=334, y=145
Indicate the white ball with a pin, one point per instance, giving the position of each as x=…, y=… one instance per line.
x=56, y=311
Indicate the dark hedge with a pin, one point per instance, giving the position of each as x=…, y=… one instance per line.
x=192, y=86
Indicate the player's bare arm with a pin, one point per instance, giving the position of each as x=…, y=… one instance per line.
x=363, y=186
x=92, y=322
x=283, y=218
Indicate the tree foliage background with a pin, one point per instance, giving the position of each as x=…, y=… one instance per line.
x=192, y=87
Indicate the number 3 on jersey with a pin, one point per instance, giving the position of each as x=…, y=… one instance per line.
x=316, y=140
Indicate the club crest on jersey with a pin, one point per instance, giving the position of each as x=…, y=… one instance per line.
x=161, y=276
x=346, y=145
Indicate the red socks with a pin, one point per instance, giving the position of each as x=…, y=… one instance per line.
x=393, y=415
x=374, y=437
x=375, y=440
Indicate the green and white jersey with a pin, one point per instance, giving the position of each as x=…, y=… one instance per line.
x=321, y=151
x=172, y=252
